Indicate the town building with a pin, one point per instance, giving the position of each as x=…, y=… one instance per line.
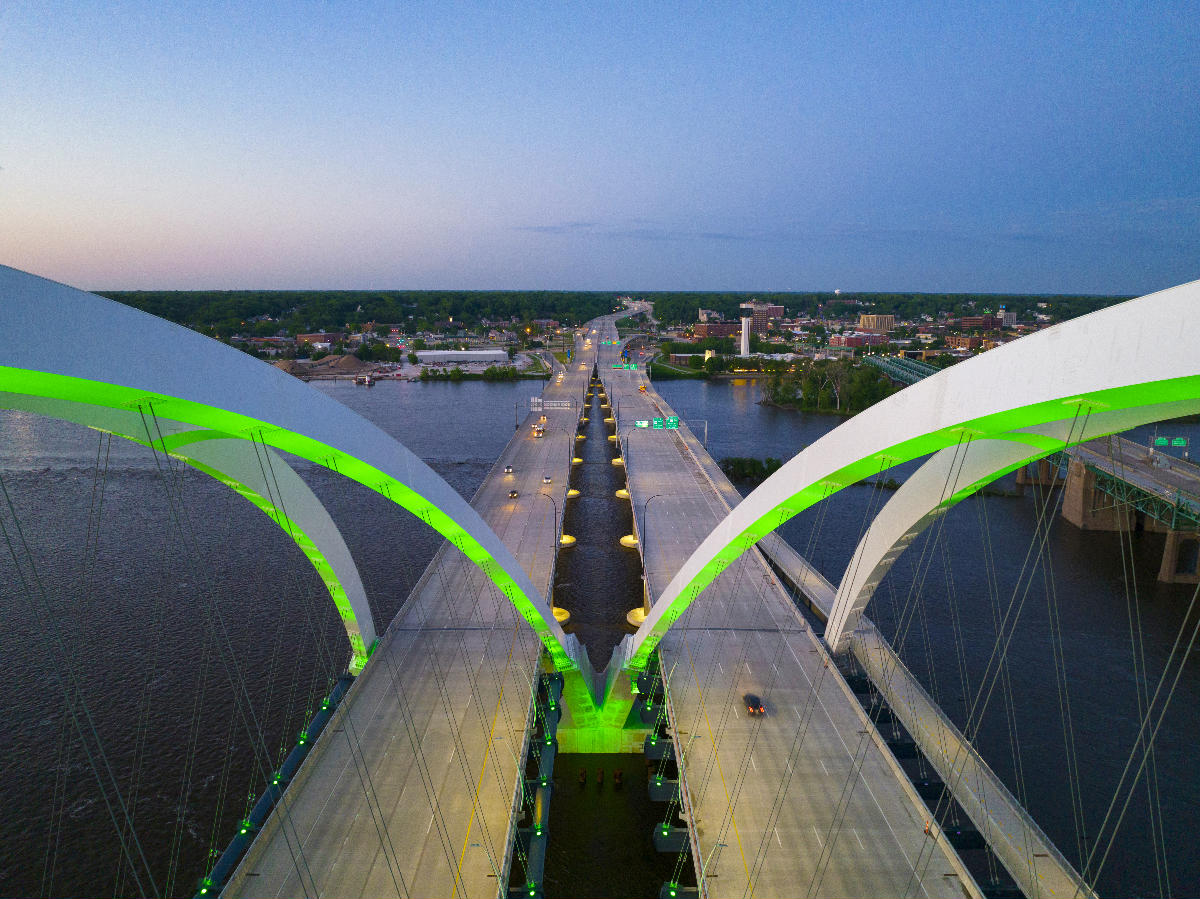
x=876, y=324
x=986, y=322
x=324, y=337
x=964, y=342
x=857, y=338
x=761, y=315
x=485, y=356
x=717, y=329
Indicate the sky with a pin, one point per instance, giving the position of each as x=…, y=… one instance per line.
x=997, y=147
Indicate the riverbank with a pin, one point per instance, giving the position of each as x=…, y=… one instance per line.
x=348, y=367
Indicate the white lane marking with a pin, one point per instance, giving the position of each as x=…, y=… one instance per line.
x=430, y=824
x=752, y=765
x=866, y=783
x=823, y=768
x=857, y=837
x=748, y=671
x=818, y=833
x=777, y=840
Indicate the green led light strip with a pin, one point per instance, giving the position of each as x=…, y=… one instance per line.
x=225, y=424
x=1000, y=425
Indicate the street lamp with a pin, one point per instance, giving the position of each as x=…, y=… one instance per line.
x=562, y=616
x=646, y=521
x=638, y=615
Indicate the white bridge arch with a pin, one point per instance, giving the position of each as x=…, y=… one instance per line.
x=142, y=377
x=1099, y=373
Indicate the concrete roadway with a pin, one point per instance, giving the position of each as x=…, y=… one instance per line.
x=805, y=800
x=410, y=790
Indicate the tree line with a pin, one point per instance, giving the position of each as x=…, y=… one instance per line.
x=828, y=385
x=222, y=313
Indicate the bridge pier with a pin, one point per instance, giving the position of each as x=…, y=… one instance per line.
x=589, y=726
x=1090, y=509
x=1181, y=558
x=1041, y=473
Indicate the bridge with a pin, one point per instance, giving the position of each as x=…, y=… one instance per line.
x=417, y=784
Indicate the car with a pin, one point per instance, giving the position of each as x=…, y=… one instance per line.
x=546, y=479
x=754, y=705
x=512, y=494
x=508, y=469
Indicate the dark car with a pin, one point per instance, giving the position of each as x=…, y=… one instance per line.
x=754, y=705
x=512, y=494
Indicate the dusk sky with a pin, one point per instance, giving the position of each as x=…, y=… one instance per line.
x=1000, y=147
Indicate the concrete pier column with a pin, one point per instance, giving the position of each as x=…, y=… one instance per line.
x=1088, y=509
x=1181, y=558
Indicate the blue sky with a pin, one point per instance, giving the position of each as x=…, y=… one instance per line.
x=726, y=146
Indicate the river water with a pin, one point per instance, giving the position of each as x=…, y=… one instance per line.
x=178, y=575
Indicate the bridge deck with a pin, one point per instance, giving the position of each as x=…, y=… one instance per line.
x=1156, y=473
x=410, y=789
x=805, y=800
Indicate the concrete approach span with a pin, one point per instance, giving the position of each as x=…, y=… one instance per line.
x=224, y=412
x=1038, y=391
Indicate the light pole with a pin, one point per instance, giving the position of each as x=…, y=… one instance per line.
x=636, y=616
x=560, y=615
x=704, y=442
x=646, y=522
x=554, y=503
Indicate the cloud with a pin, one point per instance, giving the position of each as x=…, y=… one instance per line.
x=559, y=228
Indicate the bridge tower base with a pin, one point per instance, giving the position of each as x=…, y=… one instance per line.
x=614, y=727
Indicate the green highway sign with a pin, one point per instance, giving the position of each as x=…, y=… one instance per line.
x=1161, y=441
x=641, y=423
x=1179, y=441
x=657, y=424
x=632, y=366
x=673, y=421
x=1171, y=441
x=617, y=365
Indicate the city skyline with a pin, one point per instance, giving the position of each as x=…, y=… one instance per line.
x=709, y=147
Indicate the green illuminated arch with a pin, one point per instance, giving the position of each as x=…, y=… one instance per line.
x=1134, y=355
x=142, y=366
x=259, y=476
